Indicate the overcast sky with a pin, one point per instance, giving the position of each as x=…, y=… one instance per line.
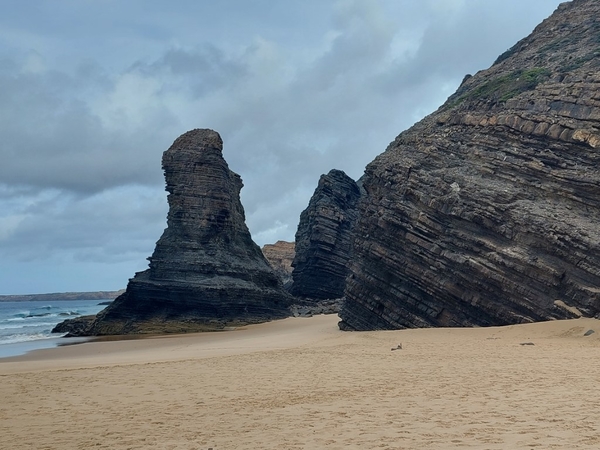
x=93, y=91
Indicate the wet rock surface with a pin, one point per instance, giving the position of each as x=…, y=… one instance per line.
x=74, y=327
x=205, y=272
x=486, y=212
x=324, y=238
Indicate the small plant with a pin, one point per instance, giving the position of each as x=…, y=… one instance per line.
x=507, y=54
x=536, y=75
x=582, y=60
x=505, y=87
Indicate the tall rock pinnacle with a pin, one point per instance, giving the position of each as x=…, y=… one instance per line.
x=324, y=238
x=205, y=271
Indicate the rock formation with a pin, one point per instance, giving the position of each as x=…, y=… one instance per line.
x=324, y=238
x=280, y=255
x=486, y=212
x=205, y=272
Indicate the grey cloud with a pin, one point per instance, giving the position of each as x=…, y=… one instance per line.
x=352, y=100
x=92, y=228
x=197, y=71
x=296, y=91
x=471, y=37
x=53, y=139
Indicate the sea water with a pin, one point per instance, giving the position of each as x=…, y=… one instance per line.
x=26, y=326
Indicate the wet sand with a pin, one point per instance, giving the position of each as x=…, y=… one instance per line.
x=302, y=384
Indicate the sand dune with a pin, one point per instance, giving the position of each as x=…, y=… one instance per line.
x=302, y=384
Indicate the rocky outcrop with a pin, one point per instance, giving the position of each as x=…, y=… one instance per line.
x=309, y=308
x=486, y=212
x=205, y=272
x=280, y=255
x=324, y=238
x=77, y=326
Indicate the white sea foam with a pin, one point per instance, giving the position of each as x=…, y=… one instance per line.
x=14, y=338
x=22, y=322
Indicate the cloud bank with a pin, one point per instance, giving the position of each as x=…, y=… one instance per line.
x=92, y=93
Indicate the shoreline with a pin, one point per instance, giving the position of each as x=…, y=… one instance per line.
x=289, y=331
x=28, y=325
x=171, y=347
x=301, y=383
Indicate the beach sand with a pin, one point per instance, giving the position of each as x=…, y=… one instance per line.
x=300, y=383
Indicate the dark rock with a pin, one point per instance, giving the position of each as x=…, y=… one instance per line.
x=589, y=333
x=205, y=272
x=74, y=327
x=486, y=212
x=280, y=255
x=324, y=238
x=309, y=308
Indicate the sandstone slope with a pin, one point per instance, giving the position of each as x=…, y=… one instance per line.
x=280, y=255
x=486, y=212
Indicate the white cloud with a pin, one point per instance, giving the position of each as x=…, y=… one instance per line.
x=9, y=224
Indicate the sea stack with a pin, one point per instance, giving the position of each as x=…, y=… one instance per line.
x=206, y=272
x=486, y=212
x=324, y=238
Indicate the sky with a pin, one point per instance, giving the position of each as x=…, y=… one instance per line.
x=92, y=92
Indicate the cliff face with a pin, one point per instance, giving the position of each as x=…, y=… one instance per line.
x=280, y=255
x=205, y=271
x=486, y=212
x=324, y=238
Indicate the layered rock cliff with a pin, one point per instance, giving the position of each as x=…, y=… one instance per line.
x=205, y=272
x=280, y=255
x=486, y=212
x=324, y=238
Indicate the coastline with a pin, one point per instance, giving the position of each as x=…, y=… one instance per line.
x=62, y=296
x=140, y=349
x=300, y=383
x=17, y=349
x=28, y=325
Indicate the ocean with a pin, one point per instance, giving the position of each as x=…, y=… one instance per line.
x=26, y=326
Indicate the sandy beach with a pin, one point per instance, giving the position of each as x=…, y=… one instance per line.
x=301, y=384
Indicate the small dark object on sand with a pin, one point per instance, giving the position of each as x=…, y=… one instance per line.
x=589, y=332
x=397, y=348
x=526, y=343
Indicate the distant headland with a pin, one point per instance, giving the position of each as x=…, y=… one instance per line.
x=99, y=295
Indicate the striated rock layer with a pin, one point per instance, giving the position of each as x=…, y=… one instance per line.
x=280, y=255
x=324, y=238
x=486, y=212
x=205, y=271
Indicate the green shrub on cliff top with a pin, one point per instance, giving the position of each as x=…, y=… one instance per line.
x=505, y=87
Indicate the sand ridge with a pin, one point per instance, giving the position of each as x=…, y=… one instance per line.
x=302, y=384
